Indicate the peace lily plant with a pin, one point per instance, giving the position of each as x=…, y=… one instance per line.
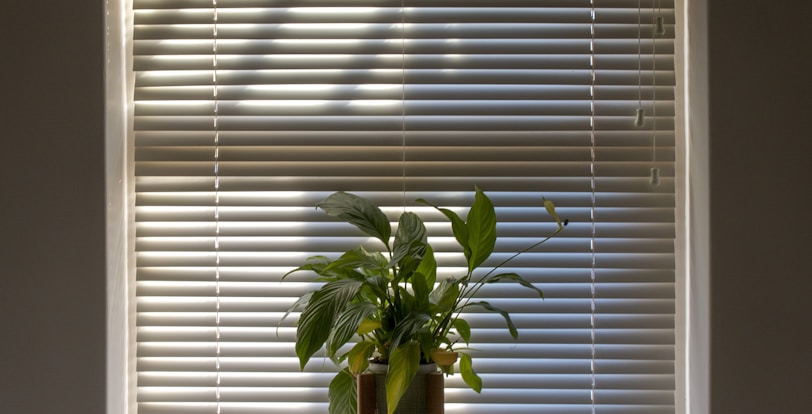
x=391, y=301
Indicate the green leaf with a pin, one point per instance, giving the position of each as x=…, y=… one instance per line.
x=410, y=238
x=373, y=263
x=481, y=223
x=458, y=226
x=428, y=267
x=406, y=329
x=516, y=278
x=301, y=302
x=360, y=212
x=375, y=288
x=406, y=267
x=463, y=329
x=403, y=365
x=468, y=374
x=347, y=324
x=421, y=292
x=358, y=357
x=317, y=318
x=446, y=294
x=405, y=302
x=314, y=263
x=427, y=343
x=511, y=327
x=342, y=393
x=368, y=325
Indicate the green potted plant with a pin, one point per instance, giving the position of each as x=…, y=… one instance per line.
x=391, y=301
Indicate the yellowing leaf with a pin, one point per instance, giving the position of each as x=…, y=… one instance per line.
x=403, y=365
x=358, y=357
x=367, y=326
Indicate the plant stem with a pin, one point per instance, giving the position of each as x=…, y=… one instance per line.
x=448, y=321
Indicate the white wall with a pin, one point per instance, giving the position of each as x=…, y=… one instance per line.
x=52, y=293
x=760, y=173
x=52, y=260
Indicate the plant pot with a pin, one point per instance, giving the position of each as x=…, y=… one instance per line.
x=425, y=394
x=445, y=360
x=442, y=358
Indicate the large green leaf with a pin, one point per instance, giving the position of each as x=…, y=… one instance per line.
x=458, y=226
x=342, y=393
x=410, y=238
x=403, y=365
x=346, y=325
x=468, y=374
x=359, y=212
x=481, y=224
x=317, y=318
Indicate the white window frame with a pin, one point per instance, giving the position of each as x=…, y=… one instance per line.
x=693, y=342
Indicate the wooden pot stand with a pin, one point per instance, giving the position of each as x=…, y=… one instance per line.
x=426, y=394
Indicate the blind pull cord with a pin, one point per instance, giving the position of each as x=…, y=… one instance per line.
x=216, y=172
x=659, y=30
x=640, y=116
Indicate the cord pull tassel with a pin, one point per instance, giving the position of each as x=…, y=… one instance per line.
x=659, y=26
x=655, y=176
x=640, y=118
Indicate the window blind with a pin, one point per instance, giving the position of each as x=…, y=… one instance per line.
x=248, y=112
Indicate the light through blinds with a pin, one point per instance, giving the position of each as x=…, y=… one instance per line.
x=397, y=102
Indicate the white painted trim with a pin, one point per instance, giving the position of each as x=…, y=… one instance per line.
x=697, y=132
x=120, y=370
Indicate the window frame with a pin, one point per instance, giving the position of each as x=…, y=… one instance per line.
x=691, y=341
